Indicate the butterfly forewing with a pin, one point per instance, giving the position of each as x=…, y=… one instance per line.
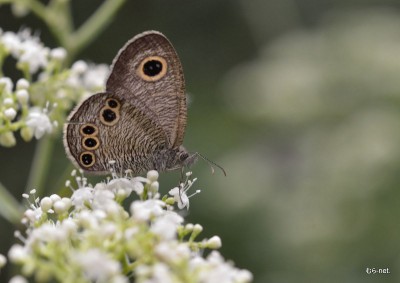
x=165, y=96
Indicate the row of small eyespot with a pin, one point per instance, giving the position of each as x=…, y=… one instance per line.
x=109, y=115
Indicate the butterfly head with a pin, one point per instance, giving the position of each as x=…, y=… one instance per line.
x=183, y=158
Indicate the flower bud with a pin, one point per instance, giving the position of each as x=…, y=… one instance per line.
x=7, y=139
x=22, y=96
x=152, y=175
x=26, y=134
x=22, y=84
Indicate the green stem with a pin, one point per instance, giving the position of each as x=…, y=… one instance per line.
x=36, y=7
x=59, y=21
x=93, y=26
x=40, y=165
x=60, y=187
x=10, y=209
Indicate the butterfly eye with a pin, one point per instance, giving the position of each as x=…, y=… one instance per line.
x=152, y=68
x=183, y=156
x=87, y=159
x=88, y=130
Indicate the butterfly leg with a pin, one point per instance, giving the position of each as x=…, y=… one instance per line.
x=181, y=181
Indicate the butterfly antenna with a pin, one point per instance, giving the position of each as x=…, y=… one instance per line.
x=211, y=163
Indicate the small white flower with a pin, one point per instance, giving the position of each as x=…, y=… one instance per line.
x=33, y=54
x=79, y=67
x=58, y=53
x=3, y=261
x=152, y=175
x=6, y=85
x=46, y=233
x=69, y=226
x=33, y=214
x=215, y=269
x=197, y=228
x=10, y=113
x=55, y=197
x=97, y=265
x=11, y=42
x=180, y=197
x=214, y=242
x=91, y=77
x=131, y=232
x=17, y=253
x=144, y=210
x=86, y=219
x=161, y=274
x=60, y=207
x=46, y=203
x=39, y=122
x=244, y=275
x=8, y=101
x=104, y=200
x=67, y=202
x=7, y=139
x=166, y=225
x=18, y=279
x=172, y=251
x=95, y=76
x=22, y=96
x=121, y=186
x=81, y=197
x=138, y=187
x=22, y=84
x=154, y=187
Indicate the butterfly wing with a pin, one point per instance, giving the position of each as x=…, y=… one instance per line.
x=147, y=73
x=105, y=128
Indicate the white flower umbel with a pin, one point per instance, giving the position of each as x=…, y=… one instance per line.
x=91, y=237
x=46, y=81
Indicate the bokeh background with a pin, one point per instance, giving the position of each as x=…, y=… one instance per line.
x=299, y=101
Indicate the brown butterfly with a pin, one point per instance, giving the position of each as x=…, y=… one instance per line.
x=139, y=122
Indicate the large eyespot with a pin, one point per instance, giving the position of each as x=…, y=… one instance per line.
x=108, y=116
x=89, y=130
x=87, y=159
x=152, y=68
x=112, y=103
x=90, y=143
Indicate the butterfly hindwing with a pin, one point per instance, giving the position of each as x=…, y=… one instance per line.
x=105, y=128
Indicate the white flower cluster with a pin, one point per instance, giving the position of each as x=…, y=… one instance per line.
x=36, y=103
x=90, y=237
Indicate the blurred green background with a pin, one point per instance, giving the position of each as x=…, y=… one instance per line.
x=299, y=101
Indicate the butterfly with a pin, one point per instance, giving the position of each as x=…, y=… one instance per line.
x=138, y=122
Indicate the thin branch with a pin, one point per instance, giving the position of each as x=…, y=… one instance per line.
x=94, y=25
x=10, y=209
x=40, y=165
